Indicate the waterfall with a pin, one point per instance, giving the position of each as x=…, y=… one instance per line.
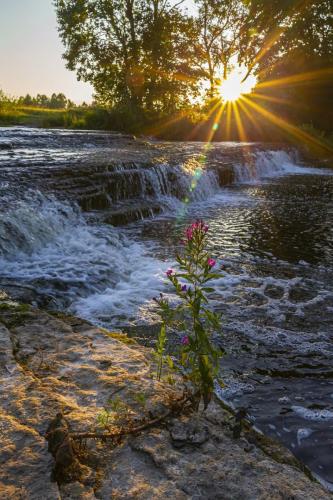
x=263, y=164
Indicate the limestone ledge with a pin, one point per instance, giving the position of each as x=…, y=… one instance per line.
x=57, y=363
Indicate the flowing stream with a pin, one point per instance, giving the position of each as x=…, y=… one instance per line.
x=90, y=221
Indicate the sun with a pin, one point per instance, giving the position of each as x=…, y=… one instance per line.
x=233, y=86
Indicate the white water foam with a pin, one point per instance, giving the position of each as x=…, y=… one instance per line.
x=32, y=223
x=303, y=434
x=268, y=164
x=100, y=272
x=314, y=415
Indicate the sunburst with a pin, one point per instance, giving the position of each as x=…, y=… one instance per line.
x=234, y=86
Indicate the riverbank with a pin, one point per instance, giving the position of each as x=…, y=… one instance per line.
x=58, y=363
x=196, y=126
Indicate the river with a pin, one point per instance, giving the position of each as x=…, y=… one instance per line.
x=90, y=221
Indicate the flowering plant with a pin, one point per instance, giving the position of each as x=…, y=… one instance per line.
x=198, y=357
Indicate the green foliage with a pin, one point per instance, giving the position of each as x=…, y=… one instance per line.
x=116, y=412
x=198, y=357
x=140, y=398
x=152, y=63
x=150, y=60
x=56, y=101
x=136, y=53
x=160, y=348
x=274, y=29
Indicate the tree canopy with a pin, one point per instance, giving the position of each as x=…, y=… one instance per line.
x=281, y=30
x=134, y=52
x=158, y=58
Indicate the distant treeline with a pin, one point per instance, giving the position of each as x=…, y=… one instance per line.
x=55, y=101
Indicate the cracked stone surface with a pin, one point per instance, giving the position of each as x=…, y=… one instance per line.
x=50, y=364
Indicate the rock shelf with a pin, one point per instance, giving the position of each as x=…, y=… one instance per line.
x=58, y=363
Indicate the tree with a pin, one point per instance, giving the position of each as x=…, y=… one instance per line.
x=58, y=101
x=4, y=99
x=27, y=100
x=219, y=25
x=289, y=43
x=276, y=29
x=135, y=53
x=70, y=104
x=42, y=100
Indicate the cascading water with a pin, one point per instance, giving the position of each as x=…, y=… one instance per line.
x=33, y=223
x=49, y=245
x=270, y=217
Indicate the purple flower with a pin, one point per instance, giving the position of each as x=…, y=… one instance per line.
x=205, y=228
x=185, y=340
x=169, y=272
x=211, y=262
x=184, y=288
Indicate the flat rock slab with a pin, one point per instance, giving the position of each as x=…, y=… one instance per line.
x=58, y=364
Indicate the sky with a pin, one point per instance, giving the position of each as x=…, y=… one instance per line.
x=31, y=52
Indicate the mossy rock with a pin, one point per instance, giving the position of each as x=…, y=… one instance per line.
x=122, y=337
x=12, y=313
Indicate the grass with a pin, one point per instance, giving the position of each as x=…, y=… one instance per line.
x=21, y=115
x=78, y=118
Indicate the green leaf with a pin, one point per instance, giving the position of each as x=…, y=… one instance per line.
x=212, y=276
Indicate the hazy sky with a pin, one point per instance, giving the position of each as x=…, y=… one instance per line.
x=30, y=52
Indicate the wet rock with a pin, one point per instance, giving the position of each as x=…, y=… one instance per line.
x=252, y=298
x=274, y=292
x=301, y=294
x=151, y=467
x=26, y=294
x=191, y=432
x=185, y=458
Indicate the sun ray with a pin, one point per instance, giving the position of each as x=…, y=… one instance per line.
x=239, y=123
x=198, y=127
x=249, y=116
x=216, y=123
x=275, y=35
x=228, y=121
x=293, y=131
x=280, y=100
x=298, y=78
x=162, y=125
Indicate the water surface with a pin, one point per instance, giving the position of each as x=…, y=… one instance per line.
x=89, y=223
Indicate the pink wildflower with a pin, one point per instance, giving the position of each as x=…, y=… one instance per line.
x=169, y=272
x=189, y=233
x=211, y=262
